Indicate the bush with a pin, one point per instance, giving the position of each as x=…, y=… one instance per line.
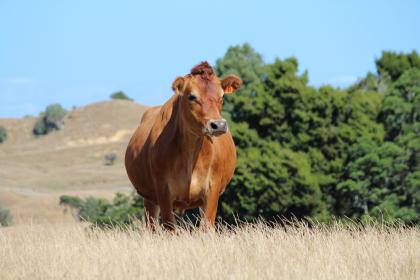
x=121, y=211
x=120, y=95
x=51, y=119
x=3, y=134
x=39, y=127
x=5, y=217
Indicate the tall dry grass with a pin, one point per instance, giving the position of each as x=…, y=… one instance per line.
x=63, y=251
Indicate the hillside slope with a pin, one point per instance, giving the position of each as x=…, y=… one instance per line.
x=67, y=161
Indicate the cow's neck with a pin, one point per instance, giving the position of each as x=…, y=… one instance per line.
x=190, y=141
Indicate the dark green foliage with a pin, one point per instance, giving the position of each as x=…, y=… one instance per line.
x=375, y=183
x=3, y=134
x=395, y=64
x=401, y=105
x=5, y=217
x=51, y=119
x=307, y=152
x=121, y=211
x=120, y=95
x=255, y=191
x=72, y=201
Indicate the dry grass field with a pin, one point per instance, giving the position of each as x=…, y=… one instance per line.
x=65, y=251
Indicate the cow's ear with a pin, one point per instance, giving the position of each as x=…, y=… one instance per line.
x=178, y=85
x=230, y=84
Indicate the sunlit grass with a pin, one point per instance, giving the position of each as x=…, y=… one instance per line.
x=249, y=251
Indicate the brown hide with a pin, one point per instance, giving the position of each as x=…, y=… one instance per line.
x=176, y=159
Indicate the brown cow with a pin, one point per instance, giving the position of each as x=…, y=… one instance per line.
x=182, y=155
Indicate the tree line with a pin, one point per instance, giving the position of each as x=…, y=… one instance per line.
x=324, y=152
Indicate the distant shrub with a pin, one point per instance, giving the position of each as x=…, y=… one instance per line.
x=39, y=127
x=110, y=158
x=121, y=211
x=72, y=201
x=3, y=134
x=51, y=119
x=120, y=95
x=5, y=217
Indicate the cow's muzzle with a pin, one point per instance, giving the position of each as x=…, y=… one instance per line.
x=216, y=127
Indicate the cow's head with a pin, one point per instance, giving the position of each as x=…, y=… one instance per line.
x=201, y=96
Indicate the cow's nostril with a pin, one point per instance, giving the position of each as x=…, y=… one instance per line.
x=213, y=125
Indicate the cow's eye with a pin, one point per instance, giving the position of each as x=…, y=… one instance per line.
x=192, y=97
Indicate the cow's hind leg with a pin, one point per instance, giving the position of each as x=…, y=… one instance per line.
x=151, y=214
x=166, y=212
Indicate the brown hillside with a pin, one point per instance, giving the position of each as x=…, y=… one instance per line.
x=67, y=161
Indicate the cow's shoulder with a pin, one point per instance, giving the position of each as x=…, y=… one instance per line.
x=164, y=118
x=150, y=114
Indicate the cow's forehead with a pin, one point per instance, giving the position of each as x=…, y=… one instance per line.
x=206, y=88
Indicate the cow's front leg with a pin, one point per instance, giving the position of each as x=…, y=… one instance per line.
x=209, y=209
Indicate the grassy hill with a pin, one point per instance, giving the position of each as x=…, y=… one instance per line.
x=35, y=171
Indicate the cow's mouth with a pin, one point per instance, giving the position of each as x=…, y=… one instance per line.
x=213, y=132
x=215, y=127
x=217, y=133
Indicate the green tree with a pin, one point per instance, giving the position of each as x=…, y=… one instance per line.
x=120, y=95
x=382, y=179
x=401, y=105
x=3, y=134
x=52, y=119
x=270, y=180
x=372, y=83
x=395, y=64
x=282, y=120
x=375, y=183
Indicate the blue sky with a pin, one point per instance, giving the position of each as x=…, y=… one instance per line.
x=79, y=52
